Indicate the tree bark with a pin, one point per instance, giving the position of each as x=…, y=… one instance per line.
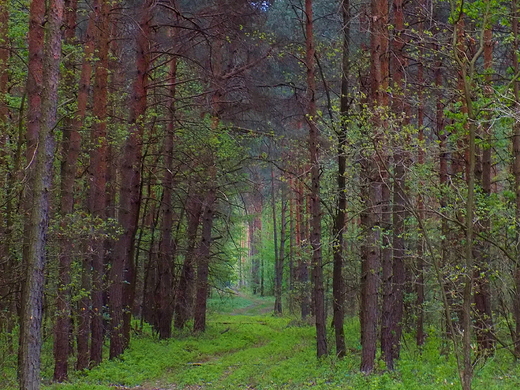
x=166, y=246
x=71, y=148
x=98, y=175
x=122, y=271
x=315, y=206
x=185, y=288
x=338, y=285
x=41, y=122
x=199, y=324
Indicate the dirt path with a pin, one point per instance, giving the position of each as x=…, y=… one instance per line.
x=258, y=306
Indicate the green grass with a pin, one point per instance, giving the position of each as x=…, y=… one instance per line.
x=266, y=352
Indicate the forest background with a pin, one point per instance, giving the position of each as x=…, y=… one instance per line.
x=349, y=158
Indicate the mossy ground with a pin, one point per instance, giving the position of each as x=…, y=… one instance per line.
x=241, y=350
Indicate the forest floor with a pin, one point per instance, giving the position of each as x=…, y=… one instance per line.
x=246, y=347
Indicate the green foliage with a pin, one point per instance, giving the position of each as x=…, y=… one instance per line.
x=265, y=352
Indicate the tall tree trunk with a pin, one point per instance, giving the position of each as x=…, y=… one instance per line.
x=315, y=206
x=371, y=216
x=482, y=294
x=199, y=324
x=185, y=288
x=419, y=285
x=84, y=303
x=98, y=174
x=42, y=120
x=71, y=149
x=338, y=285
x=165, y=263
x=122, y=272
x=278, y=270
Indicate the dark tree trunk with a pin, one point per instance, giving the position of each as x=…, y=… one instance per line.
x=98, y=174
x=71, y=149
x=185, y=288
x=419, y=286
x=122, y=287
x=315, y=206
x=199, y=324
x=166, y=246
x=482, y=293
x=277, y=269
x=338, y=285
x=45, y=63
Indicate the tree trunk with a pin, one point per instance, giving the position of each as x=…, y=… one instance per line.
x=277, y=269
x=199, y=324
x=482, y=294
x=121, y=273
x=185, y=288
x=315, y=206
x=37, y=203
x=165, y=263
x=338, y=287
x=98, y=175
x=71, y=149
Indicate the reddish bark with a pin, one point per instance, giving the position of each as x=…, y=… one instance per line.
x=371, y=217
x=71, y=148
x=98, y=175
x=39, y=180
x=166, y=247
x=122, y=272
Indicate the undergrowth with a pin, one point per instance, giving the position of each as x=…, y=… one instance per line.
x=266, y=352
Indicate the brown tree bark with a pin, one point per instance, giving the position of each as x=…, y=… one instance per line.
x=76, y=124
x=393, y=303
x=44, y=60
x=419, y=286
x=122, y=271
x=71, y=148
x=315, y=206
x=482, y=294
x=204, y=255
x=185, y=288
x=164, y=261
x=371, y=219
x=98, y=175
x=338, y=285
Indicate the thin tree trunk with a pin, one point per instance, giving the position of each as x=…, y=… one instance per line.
x=199, y=324
x=98, y=174
x=165, y=263
x=419, y=285
x=71, y=149
x=338, y=285
x=47, y=65
x=315, y=206
x=482, y=294
x=278, y=275
x=185, y=288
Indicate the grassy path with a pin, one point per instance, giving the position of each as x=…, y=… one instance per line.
x=247, y=348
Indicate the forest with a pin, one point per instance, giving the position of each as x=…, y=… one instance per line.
x=330, y=186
